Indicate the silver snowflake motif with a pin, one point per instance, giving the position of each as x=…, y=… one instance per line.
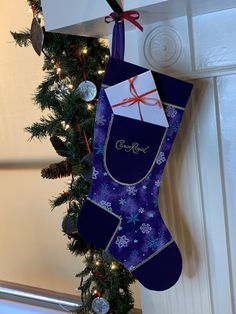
x=171, y=112
x=131, y=190
x=161, y=158
x=105, y=204
x=145, y=228
x=157, y=183
x=95, y=174
x=100, y=120
x=122, y=201
x=122, y=241
x=141, y=210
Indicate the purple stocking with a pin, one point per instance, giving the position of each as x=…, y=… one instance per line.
x=121, y=213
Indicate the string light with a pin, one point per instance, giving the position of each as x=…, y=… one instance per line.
x=97, y=263
x=95, y=291
x=85, y=51
x=70, y=86
x=64, y=125
x=101, y=72
x=58, y=70
x=90, y=107
x=113, y=266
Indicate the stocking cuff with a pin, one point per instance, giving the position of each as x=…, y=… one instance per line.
x=96, y=224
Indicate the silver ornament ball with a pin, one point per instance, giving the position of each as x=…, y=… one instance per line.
x=100, y=305
x=87, y=90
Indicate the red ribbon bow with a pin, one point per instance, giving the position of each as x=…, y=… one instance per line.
x=130, y=101
x=132, y=16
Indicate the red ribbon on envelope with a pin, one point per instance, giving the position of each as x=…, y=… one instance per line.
x=138, y=99
x=132, y=16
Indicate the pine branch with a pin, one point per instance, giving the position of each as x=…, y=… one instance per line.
x=22, y=39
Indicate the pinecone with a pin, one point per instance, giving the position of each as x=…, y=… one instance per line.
x=58, y=170
x=59, y=146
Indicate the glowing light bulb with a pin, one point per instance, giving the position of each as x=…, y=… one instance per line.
x=90, y=107
x=85, y=51
x=113, y=266
x=97, y=263
x=100, y=72
x=70, y=86
x=95, y=292
x=58, y=70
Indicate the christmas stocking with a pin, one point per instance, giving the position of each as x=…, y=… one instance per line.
x=134, y=133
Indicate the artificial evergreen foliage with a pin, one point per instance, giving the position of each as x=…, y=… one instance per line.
x=67, y=121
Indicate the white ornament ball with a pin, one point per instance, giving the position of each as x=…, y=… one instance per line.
x=87, y=90
x=100, y=305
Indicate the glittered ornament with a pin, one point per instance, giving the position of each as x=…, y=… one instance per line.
x=61, y=90
x=69, y=225
x=87, y=168
x=37, y=36
x=87, y=90
x=100, y=305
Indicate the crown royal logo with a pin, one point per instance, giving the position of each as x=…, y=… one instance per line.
x=133, y=148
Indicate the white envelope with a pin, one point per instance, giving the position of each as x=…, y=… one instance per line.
x=137, y=98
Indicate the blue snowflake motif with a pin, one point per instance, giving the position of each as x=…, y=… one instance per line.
x=122, y=201
x=174, y=127
x=105, y=186
x=152, y=244
x=135, y=253
x=151, y=215
x=133, y=218
x=155, y=203
x=99, y=150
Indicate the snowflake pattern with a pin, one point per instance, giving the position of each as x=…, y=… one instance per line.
x=105, y=204
x=100, y=120
x=122, y=241
x=133, y=218
x=145, y=228
x=105, y=186
x=95, y=174
x=99, y=149
x=161, y=158
x=122, y=201
x=141, y=210
x=135, y=253
x=171, y=112
x=142, y=231
x=131, y=190
x=152, y=244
